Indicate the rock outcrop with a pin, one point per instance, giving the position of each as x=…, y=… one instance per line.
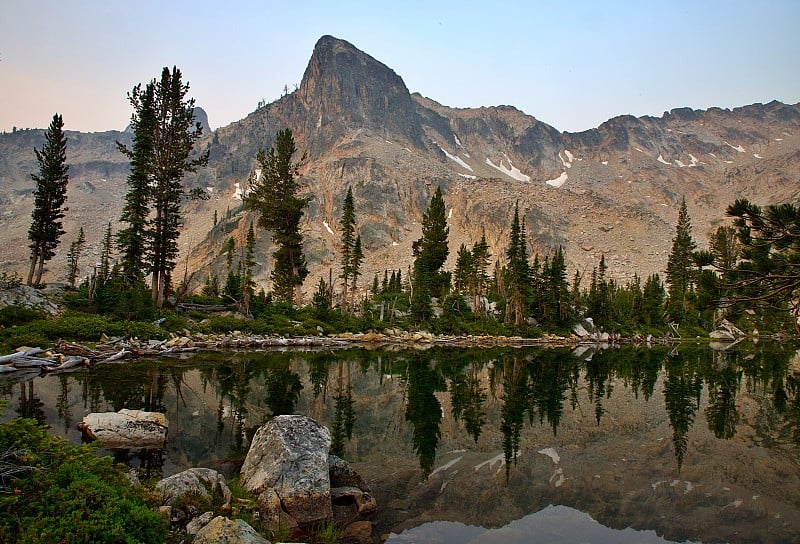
x=296, y=480
x=126, y=429
x=290, y=456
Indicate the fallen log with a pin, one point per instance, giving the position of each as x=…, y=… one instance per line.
x=27, y=353
x=122, y=354
x=69, y=364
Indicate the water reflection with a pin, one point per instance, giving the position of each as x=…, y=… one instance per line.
x=448, y=407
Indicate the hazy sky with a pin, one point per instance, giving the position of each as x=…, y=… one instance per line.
x=571, y=64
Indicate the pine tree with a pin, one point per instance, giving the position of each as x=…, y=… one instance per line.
x=680, y=266
x=73, y=256
x=464, y=270
x=430, y=254
x=49, y=197
x=517, y=278
x=356, y=259
x=480, y=276
x=248, y=285
x=348, y=224
x=133, y=239
x=174, y=133
x=274, y=196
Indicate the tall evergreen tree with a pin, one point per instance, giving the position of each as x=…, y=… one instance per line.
x=169, y=116
x=348, y=224
x=480, y=275
x=49, y=197
x=274, y=196
x=132, y=240
x=430, y=254
x=517, y=278
x=248, y=285
x=356, y=259
x=680, y=266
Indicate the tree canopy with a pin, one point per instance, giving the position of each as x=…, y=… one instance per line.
x=768, y=271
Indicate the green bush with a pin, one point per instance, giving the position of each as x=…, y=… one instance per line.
x=68, y=494
x=11, y=316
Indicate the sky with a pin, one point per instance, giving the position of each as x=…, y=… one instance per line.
x=572, y=64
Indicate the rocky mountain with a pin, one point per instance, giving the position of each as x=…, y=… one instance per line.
x=613, y=190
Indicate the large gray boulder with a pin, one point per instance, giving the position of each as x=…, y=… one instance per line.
x=126, y=429
x=290, y=456
x=221, y=530
x=202, y=482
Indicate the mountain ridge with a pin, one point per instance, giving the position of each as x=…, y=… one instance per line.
x=611, y=190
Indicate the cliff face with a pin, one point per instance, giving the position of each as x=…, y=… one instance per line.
x=612, y=190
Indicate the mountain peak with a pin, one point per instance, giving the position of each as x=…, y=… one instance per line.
x=343, y=82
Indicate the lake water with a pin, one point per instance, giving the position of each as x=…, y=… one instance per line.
x=503, y=445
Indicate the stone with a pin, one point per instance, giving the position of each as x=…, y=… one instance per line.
x=194, y=526
x=272, y=514
x=200, y=481
x=126, y=429
x=290, y=455
x=358, y=531
x=365, y=504
x=221, y=530
x=344, y=475
x=721, y=335
x=579, y=331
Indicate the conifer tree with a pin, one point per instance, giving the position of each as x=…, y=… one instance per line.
x=248, y=285
x=356, y=258
x=348, y=224
x=133, y=239
x=73, y=256
x=653, y=301
x=170, y=115
x=430, y=254
x=49, y=197
x=274, y=196
x=767, y=274
x=464, y=269
x=517, y=277
x=680, y=266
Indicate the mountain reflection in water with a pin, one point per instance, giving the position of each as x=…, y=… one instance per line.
x=692, y=443
x=552, y=525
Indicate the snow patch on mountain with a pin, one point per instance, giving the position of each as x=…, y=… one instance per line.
x=455, y=158
x=510, y=170
x=738, y=148
x=559, y=181
x=327, y=227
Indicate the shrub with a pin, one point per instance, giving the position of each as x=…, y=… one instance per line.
x=67, y=494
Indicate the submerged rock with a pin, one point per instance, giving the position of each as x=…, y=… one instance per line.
x=126, y=429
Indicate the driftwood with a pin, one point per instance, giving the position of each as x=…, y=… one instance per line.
x=25, y=364
x=13, y=356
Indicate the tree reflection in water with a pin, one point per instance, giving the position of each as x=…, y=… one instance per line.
x=511, y=388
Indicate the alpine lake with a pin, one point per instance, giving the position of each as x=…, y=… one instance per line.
x=678, y=443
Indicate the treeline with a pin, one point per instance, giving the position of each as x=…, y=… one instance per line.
x=750, y=265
